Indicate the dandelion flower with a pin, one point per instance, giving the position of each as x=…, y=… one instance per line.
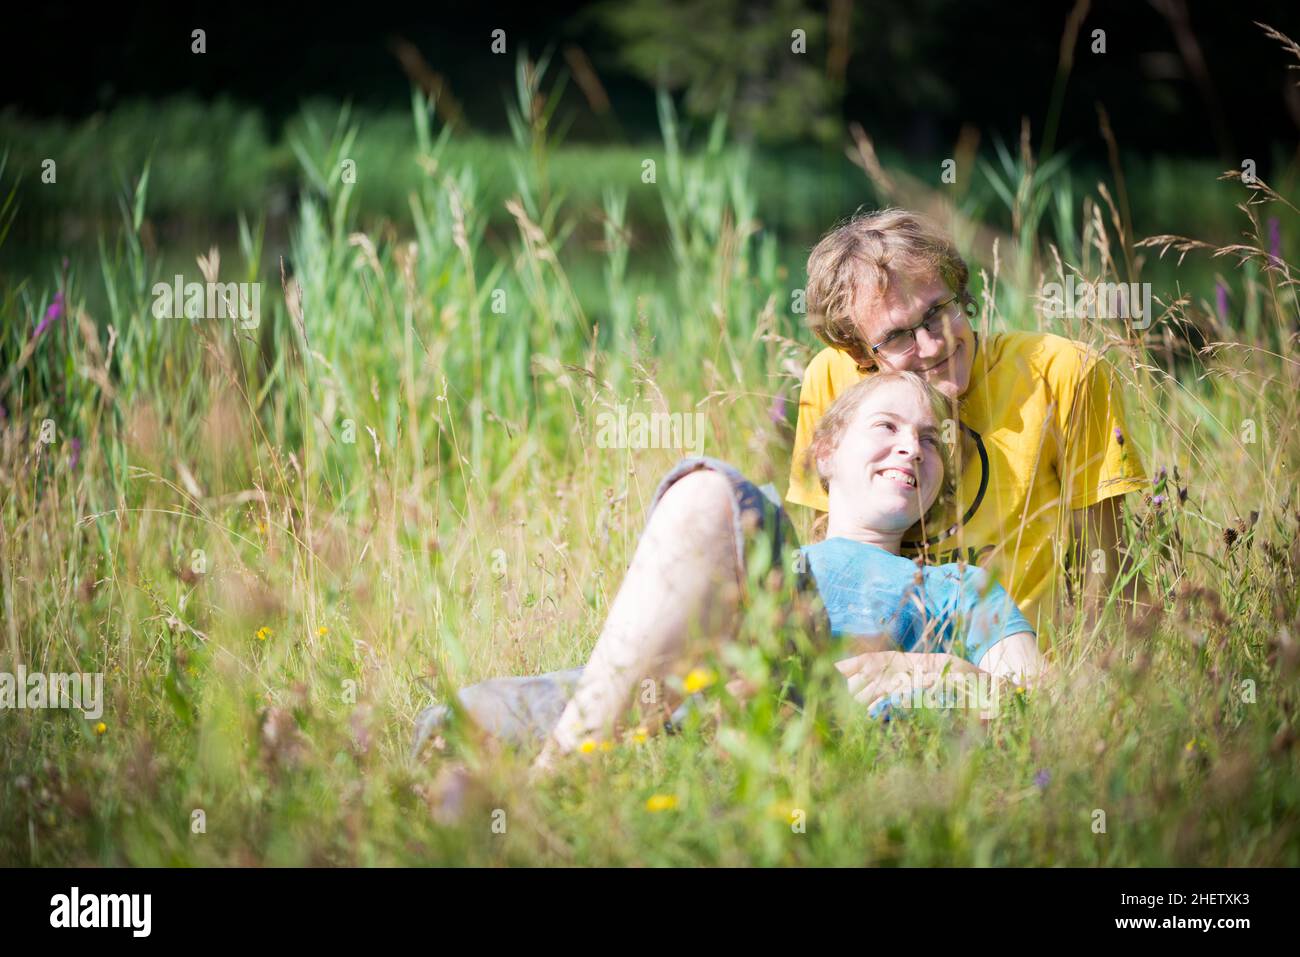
x=322, y=631
x=698, y=679
x=607, y=745
x=660, y=802
x=101, y=728
x=640, y=735
x=588, y=746
x=264, y=633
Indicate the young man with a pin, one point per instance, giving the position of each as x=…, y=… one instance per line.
x=1039, y=433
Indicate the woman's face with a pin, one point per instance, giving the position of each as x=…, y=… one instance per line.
x=888, y=461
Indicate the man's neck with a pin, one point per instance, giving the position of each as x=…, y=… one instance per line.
x=974, y=370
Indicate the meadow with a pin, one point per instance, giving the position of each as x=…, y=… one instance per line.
x=279, y=542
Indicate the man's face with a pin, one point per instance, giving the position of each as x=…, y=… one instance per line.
x=943, y=359
x=888, y=460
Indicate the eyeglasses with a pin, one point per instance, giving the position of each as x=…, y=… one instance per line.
x=902, y=342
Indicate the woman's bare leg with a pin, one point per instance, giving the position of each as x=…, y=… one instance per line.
x=684, y=582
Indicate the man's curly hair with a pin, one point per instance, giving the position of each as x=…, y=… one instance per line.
x=859, y=256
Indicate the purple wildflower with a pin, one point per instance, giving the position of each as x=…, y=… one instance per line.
x=1043, y=778
x=1221, y=299
x=52, y=314
x=75, y=455
x=1158, y=501
x=1119, y=435
x=776, y=411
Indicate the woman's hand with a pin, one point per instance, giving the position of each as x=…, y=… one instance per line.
x=875, y=675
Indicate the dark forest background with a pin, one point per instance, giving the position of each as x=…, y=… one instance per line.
x=1192, y=78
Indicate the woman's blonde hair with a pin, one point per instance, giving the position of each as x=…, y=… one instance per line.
x=830, y=430
x=859, y=256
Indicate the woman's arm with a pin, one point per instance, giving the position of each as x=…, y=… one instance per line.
x=876, y=675
x=1016, y=657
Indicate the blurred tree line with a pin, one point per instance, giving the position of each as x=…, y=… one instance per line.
x=1175, y=77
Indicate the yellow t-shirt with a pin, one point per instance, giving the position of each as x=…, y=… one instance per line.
x=1040, y=417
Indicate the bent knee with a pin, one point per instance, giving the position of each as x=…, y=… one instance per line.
x=704, y=496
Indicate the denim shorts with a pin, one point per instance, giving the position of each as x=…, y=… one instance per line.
x=520, y=710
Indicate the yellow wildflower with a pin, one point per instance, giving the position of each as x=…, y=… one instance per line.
x=782, y=811
x=322, y=631
x=101, y=728
x=660, y=802
x=640, y=735
x=698, y=679
x=587, y=746
x=264, y=633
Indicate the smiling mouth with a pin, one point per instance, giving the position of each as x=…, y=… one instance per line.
x=898, y=475
x=943, y=362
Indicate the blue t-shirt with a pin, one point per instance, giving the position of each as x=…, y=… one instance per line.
x=958, y=609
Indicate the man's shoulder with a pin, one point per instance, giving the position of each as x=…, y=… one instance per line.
x=831, y=363
x=828, y=374
x=1054, y=357
x=1041, y=347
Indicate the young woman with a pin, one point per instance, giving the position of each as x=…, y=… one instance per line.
x=884, y=465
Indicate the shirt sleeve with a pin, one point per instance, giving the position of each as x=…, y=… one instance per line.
x=815, y=396
x=989, y=615
x=1099, y=458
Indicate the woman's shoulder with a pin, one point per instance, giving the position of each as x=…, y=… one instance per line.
x=963, y=574
x=844, y=551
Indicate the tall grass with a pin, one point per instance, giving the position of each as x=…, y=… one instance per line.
x=277, y=543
